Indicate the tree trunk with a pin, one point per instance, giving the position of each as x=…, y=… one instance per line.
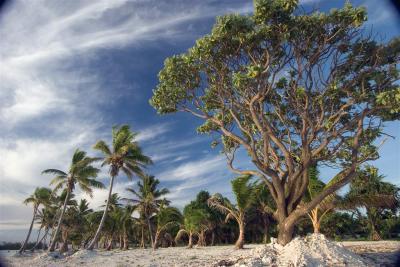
x=64, y=245
x=150, y=231
x=240, y=241
x=212, y=238
x=37, y=243
x=190, y=245
x=22, y=249
x=374, y=235
x=126, y=243
x=97, y=235
x=286, y=230
x=109, y=246
x=202, y=239
x=316, y=226
x=315, y=221
x=53, y=242
x=121, y=243
x=142, y=244
x=156, y=238
x=37, y=239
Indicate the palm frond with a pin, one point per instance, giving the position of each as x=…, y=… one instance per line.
x=102, y=147
x=58, y=179
x=180, y=234
x=54, y=171
x=228, y=217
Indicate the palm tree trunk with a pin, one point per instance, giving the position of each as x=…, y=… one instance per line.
x=22, y=249
x=37, y=239
x=240, y=241
x=125, y=240
x=190, y=245
x=64, y=245
x=142, y=245
x=213, y=237
x=315, y=221
x=150, y=231
x=53, y=242
x=97, y=235
x=156, y=237
x=41, y=240
x=38, y=242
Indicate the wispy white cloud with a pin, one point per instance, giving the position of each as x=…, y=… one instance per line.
x=185, y=180
x=151, y=132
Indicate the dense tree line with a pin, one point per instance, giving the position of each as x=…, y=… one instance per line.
x=369, y=210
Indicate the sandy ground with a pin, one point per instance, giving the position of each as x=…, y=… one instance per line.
x=382, y=253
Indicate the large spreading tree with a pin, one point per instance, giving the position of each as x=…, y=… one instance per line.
x=293, y=89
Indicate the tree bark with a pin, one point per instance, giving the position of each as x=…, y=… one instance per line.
x=315, y=221
x=142, y=244
x=156, y=238
x=53, y=242
x=103, y=218
x=125, y=240
x=374, y=235
x=22, y=249
x=202, y=241
x=190, y=245
x=286, y=230
x=150, y=231
x=240, y=241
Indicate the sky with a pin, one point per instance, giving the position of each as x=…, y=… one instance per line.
x=70, y=70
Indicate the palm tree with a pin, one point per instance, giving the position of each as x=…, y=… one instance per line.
x=265, y=206
x=78, y=220
x=245, y=197
x=316, y=186
x=80, y=172
x=193, y=224
x=166, y=217
x=41, y=196
x=125, y=221
x=368, y=191
x=46, y=218
x=148, y=199
x=125, y=155
x=112, y=223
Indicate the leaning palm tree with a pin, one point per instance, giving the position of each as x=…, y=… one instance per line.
x=316, y=186
x=369, y=192
x=245, y=197
x=148, y=199
x=41, y=196
x=80, y=172
x=193, y=224
x=124, y=155
x=166, y=217
x=46, y=218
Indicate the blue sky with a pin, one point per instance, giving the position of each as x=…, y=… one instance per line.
x=69, y=70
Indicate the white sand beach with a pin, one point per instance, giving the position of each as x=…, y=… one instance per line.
x=379, y=253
